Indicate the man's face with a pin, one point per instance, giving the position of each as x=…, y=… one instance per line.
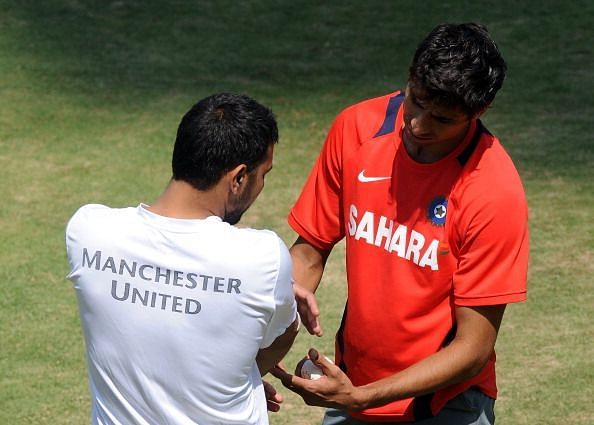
x=251, y=190
x=430, y=125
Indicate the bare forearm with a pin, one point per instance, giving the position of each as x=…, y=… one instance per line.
x=308, y=267
x=449, y=366
x=308, y=264
x=464, y=358
x=270, y=356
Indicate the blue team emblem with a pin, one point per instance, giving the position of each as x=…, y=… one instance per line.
x=437, y=211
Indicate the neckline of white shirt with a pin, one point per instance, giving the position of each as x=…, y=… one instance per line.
x=176, y=224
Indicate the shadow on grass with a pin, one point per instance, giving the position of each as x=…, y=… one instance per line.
x=132, y=52
x=152, y=47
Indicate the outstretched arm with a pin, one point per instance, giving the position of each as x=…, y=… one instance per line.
x=463, y=358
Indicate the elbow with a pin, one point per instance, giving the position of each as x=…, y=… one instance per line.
x=475, y=364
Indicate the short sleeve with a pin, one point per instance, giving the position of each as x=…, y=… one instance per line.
x=285, y=308
x=317, y=214
x=493, y=256
x=76, y=230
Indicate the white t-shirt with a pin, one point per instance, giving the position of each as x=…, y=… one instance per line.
x=174, y=312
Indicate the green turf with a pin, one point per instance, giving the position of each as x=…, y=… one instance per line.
x=91, y=93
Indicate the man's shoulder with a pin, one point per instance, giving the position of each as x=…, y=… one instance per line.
x=84, y=212
x=91, y=216
x=256, y=249
x=374, y=105
x=491, y=174
x=90, y=211
x=256, y=237
x=493, y=161
x=368, y=118
x=88, y=208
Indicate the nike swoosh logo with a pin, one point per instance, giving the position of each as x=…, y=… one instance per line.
x=364, y=179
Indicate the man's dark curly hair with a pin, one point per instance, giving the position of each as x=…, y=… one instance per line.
x=219, y=133
x=458, y=65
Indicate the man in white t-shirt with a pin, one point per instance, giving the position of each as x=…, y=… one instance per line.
x=183, y=312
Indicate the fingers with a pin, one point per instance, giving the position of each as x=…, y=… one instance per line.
x=308, y=310
x=321, y=361
x=313, y=312
x=272, y=406
x=273, y=398
x=311, y=323
x=311, y=391
x=271, y=393
x=314, y=328
x=312, y=304
x=280, y=373
x=291, y=382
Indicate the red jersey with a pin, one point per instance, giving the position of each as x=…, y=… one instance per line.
x=420, y=239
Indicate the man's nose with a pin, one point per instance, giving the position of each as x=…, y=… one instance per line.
x=419, y=124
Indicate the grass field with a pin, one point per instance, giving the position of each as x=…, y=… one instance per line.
x=91, y=93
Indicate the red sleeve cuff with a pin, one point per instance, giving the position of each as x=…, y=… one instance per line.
x=310, y=237
x=490, y=300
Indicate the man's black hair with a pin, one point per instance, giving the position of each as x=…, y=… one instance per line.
x=458, y=65
x=219, y=133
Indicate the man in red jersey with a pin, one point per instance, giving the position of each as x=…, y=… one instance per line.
x=435, y=221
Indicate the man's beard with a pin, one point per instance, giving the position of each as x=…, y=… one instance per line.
x=233, y=217
x=241, y=204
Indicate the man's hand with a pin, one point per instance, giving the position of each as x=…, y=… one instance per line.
x=332, y=390
x=308, y=310
x=273, y=399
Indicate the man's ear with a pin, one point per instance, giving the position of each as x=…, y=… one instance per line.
x=237, y=178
